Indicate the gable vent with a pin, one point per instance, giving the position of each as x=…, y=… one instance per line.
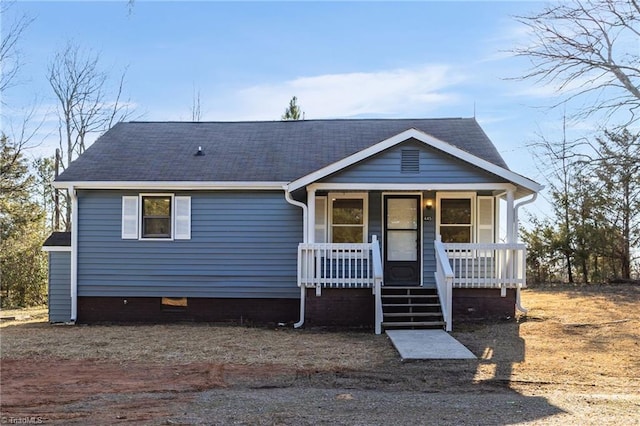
x=410, y=162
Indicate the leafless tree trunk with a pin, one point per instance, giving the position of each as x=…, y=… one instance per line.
x=588, y=48
x=86, y=106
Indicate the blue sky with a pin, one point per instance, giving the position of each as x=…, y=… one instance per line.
x=341, y=59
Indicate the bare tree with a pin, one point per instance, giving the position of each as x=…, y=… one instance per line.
x=590, y=49
x=20, y=136
x=86, y=106
x=10, y=61
x=196, y=114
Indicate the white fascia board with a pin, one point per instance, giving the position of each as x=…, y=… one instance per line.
x=501, y=186
x=427, y=140
x=173, y=185
x=56, y=248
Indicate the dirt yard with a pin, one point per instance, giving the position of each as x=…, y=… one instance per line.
x=574, y=359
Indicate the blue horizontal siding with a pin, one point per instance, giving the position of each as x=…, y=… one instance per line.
x=375, y=215
x=435, y=167
x=243, y=244
x=428, y=248
x=59, y=286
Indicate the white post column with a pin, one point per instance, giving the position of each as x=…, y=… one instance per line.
x=311, y=222
x=74, y=253
x=511, y=226
x=511, y=236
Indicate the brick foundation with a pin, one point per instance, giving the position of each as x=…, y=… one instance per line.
x=150, y=310
x=340, y=307
x=334, y=307
x=482, y=303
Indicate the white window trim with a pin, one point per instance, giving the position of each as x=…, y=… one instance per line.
x=492, y=226
x=140, y=217
x=184, y=218
x=348, y=195
x=449, y=195
x=324, y=215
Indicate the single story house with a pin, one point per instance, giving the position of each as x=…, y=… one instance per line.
x=385, y=223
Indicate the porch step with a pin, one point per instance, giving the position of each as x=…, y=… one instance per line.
x=414, y=324
x=411, y=307
x=409, y=296
x=413, y=314
x=413, y=288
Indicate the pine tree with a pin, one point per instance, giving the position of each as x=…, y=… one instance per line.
x=618, y=169
x=23, y=266
x=293, y=111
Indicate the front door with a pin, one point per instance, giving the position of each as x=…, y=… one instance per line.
x=402, y=240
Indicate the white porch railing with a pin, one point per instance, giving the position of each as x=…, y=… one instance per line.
x=444, y=281
x=333, y=265
x=487, y=265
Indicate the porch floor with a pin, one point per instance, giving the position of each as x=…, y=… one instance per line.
x=428, y=344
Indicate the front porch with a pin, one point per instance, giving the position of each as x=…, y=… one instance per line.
x=415, y=193
x=346, y=266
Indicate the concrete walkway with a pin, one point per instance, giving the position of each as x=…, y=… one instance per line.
x=428, y=344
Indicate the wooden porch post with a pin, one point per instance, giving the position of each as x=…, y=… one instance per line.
x=512, y=236
x=511, y=226
x=311, y=223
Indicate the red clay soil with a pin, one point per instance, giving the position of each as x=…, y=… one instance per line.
x=36, y=389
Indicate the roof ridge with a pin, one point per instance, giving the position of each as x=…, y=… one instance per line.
x=294, y=121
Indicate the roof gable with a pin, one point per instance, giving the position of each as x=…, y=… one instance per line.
x=426, y=139
x=412, y=162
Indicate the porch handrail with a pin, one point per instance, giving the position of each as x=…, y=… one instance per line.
x=444, y=281
x=494, y=265
x=376, y=259
x=335, y=265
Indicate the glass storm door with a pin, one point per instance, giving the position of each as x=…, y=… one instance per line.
x=402, y=240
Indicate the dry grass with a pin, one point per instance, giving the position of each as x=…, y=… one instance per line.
x=23, y=316
x=186, y=343
x=574, y=359
x=583, y=336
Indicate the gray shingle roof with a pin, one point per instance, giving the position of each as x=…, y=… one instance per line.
x=58, y=239
x=267, y=151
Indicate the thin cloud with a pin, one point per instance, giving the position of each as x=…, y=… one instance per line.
x=394, y=92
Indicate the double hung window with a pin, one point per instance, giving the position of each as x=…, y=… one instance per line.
x=341, y=218
x=156, y=217
x=466, y=217
x=456, y=221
